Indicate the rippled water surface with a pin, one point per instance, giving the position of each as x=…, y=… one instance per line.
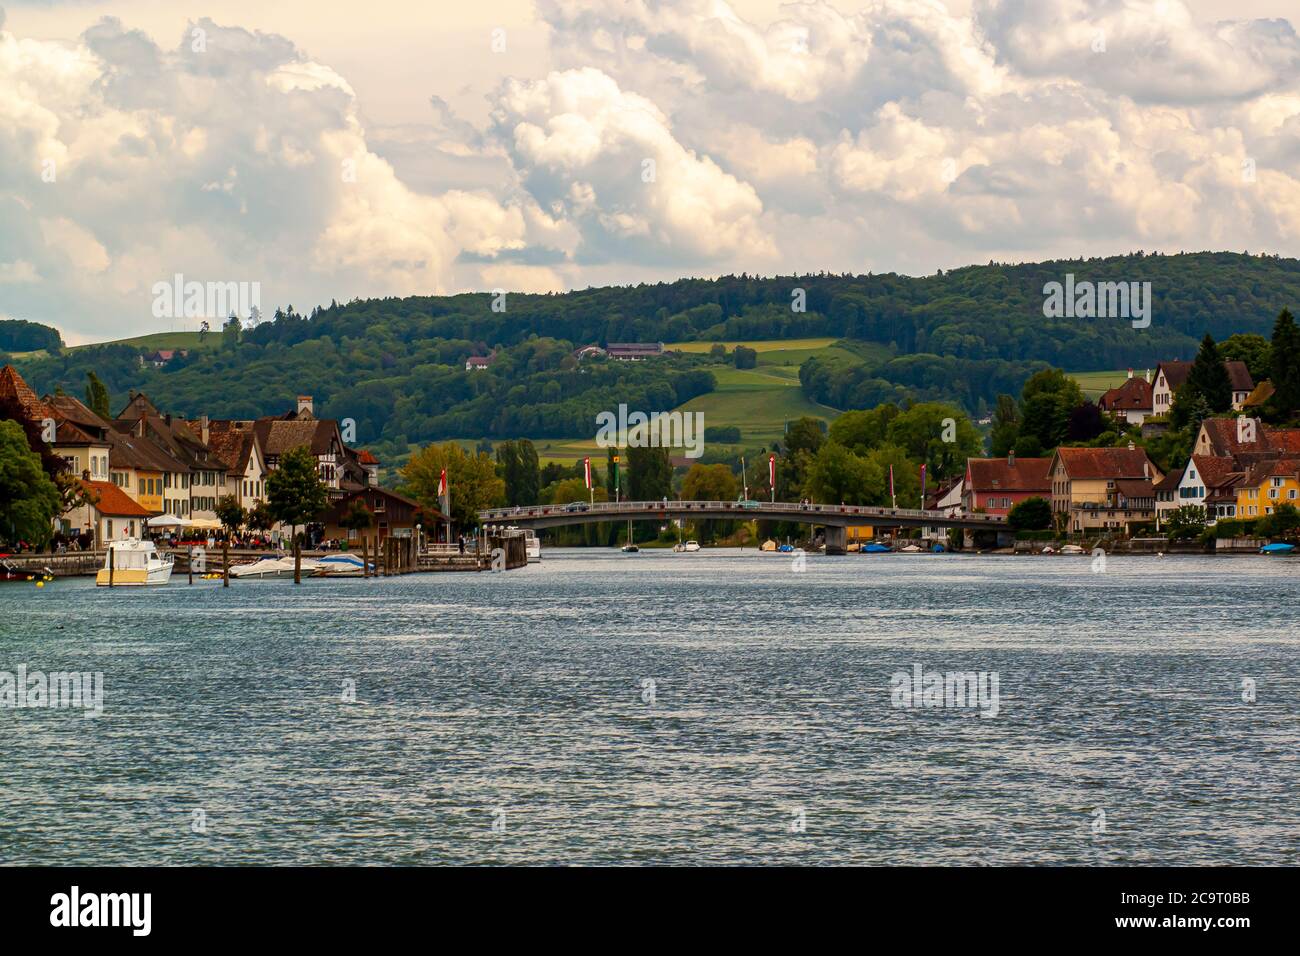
x=519, y=699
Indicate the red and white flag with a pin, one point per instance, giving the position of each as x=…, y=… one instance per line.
x=771, y=471
x=442, y=484
x=586, y=464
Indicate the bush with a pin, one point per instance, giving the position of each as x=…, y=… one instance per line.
x=1235, y=528
x=1032, y=514
x=723, y=434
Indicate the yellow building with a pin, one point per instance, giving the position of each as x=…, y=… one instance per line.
x=1267, y=485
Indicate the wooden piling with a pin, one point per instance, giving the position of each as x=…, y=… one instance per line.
x=110, y=564
x=189, y=562
x=225, y=563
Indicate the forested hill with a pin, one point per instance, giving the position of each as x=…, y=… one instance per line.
x=398, y=364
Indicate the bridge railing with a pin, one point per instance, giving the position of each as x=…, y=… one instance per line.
x=616, y=508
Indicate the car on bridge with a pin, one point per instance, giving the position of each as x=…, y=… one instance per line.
x=749, y=503
x=577, y=506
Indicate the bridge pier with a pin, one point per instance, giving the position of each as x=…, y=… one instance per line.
x=837, y=539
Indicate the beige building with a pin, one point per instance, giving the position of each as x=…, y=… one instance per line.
x=1103, y=488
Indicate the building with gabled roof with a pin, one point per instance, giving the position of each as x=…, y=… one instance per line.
x=107, y=512
x=996, y=485
x=1171, y=376
x=1268, y=484
x=1130, y=402
x=1103, y=488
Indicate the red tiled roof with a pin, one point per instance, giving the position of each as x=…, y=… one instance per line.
x=1135, y=488
x=1000, y=474
x=1214, y=472
x=366, y=458
x=1284, y=440
x=1110, y=463
x=1169, y=482
x=1134, y=395
x=1273, y=468
x=113, y=501
x=13, y=387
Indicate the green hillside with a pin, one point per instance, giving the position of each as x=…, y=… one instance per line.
x=396, y=366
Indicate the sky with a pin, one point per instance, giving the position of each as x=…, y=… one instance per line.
x=317, y=151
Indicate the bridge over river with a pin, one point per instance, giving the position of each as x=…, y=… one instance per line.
x=834, y=518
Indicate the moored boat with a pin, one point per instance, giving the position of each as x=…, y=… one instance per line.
x=344, y=565
x=1277, y=547
x=691, y=546
x=273, y=566
x=134, y=563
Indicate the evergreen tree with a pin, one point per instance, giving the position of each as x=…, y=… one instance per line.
x=97, y=396
x=1208, y=377
x=508, y=470
x=1285, y=366
x=530, y=474
x=650, y=474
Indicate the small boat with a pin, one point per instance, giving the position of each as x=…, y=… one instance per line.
x=1279, y=547
x=338, y=566
x=1048, y=550
x=911, y=549
x=679, y=548
x=273, y=566
x=1072, y=549
x=786, y=549
x=533, y=546
x=691, y=546
x=629, y=549
x=768, y=545
x=134, y=563
x=874, y=548
x=939, y=549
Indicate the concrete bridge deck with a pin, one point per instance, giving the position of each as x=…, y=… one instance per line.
x=834, y=518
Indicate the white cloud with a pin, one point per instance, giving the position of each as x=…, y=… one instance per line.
x=607, y=160
x=657, y=138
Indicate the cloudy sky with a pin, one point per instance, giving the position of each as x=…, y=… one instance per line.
x=340, y=150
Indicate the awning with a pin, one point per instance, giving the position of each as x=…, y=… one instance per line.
x=203, y=524
x=166, y=521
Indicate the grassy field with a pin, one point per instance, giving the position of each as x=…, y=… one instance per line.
x=165, y=340
x=768, y=345
x=1094, y=383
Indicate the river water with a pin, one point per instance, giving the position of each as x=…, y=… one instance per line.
x=719, y=707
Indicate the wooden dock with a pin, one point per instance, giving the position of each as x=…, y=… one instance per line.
x=391, y=556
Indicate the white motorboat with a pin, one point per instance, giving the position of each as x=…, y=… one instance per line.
x=533, y=545
x=691, y=546
x=134, y=563
x=1072, y=549
x=273, y=566
x=911, y=549
x=345, y=565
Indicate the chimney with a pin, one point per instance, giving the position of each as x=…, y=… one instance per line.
x=1011, y=458
x=304, y=404
x=1148, y=376
x=1130, y=373
x=203, y=428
